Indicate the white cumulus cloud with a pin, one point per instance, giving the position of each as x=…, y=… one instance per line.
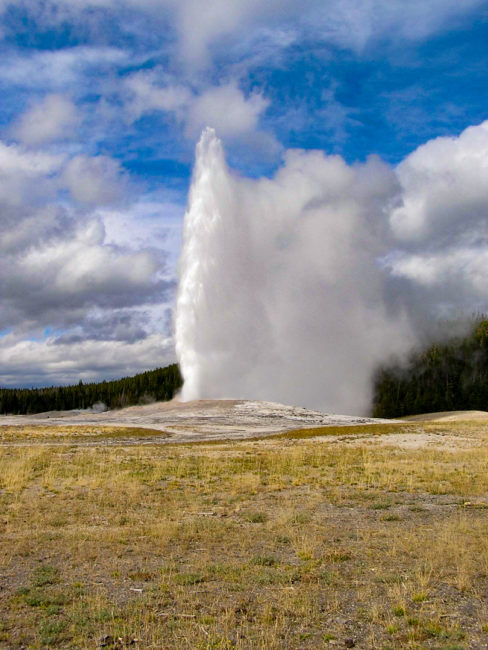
x=53, y=118
x=443, y=180
x=441, y=222
x=58, y=269
x=146, y=96
x=93, y=179
x=49, y=361
x=226, y=109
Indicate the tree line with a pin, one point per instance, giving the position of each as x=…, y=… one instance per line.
x=160, y=384
x=448, y=376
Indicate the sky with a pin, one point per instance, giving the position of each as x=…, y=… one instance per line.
x=103, y=102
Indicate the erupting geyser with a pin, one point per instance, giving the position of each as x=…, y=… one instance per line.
x=281, y=295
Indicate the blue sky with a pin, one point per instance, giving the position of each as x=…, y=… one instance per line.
x=103, y=102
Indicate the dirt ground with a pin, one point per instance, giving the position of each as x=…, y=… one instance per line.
x=371, y=535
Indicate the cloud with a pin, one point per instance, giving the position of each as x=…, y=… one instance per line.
x=93, y=179
x=355, y=24
x=223, y=107
x=51, y=280
x=205, y=27
x=145, y=96
x=58, y=70
x=202, y=30
x=458, y=269
x=32, y=179
x=27, y=176
x=441, y=180
x=227, y=110
x=124, y=324
x=81, y=271
x=57, y=268
x=48, y=362
x=51, y=119
x=26, y=226
x=153, y=222
x=200, y=26
x=441, y=221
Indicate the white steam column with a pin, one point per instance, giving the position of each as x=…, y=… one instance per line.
x=201, y=219
x=281, y=295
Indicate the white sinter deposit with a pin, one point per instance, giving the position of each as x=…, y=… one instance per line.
x=190, y=421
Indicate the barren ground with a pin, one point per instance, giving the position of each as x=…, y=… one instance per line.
x=192, y=421
x=322, y=533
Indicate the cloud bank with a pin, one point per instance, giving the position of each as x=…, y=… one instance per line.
x=200, y=29
x=80, y=303
x=441, y=224
x=295, y=288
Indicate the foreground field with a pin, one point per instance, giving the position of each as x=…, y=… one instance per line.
x=320, y=538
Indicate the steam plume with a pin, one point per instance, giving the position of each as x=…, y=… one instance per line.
x=295, y=288
x=281, y=296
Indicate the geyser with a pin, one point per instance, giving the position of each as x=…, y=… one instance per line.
x=281, y=296
x=295, y=288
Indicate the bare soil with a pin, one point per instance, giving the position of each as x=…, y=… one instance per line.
x=314, y=531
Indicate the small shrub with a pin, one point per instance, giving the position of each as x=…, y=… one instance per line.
x=381, y=505
x=420, y=597
x=189, y=578
x=264, y=560
x=338, y=556
x=256, y=517
x=398, y=611
x=45, y=575
x=50, y=631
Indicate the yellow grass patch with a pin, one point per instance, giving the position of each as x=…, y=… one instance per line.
x=279, y=543
x=23, y=433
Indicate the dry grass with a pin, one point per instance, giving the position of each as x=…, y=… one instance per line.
x=356, y=429
x=47, y=433
x=279, y=543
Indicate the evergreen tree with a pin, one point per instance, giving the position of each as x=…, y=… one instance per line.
x=452, y=375
x=160, y=384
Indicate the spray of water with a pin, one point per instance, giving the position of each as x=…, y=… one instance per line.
x=295, y=288
x=281, y=295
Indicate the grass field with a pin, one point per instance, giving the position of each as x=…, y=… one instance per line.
x=295, y=542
